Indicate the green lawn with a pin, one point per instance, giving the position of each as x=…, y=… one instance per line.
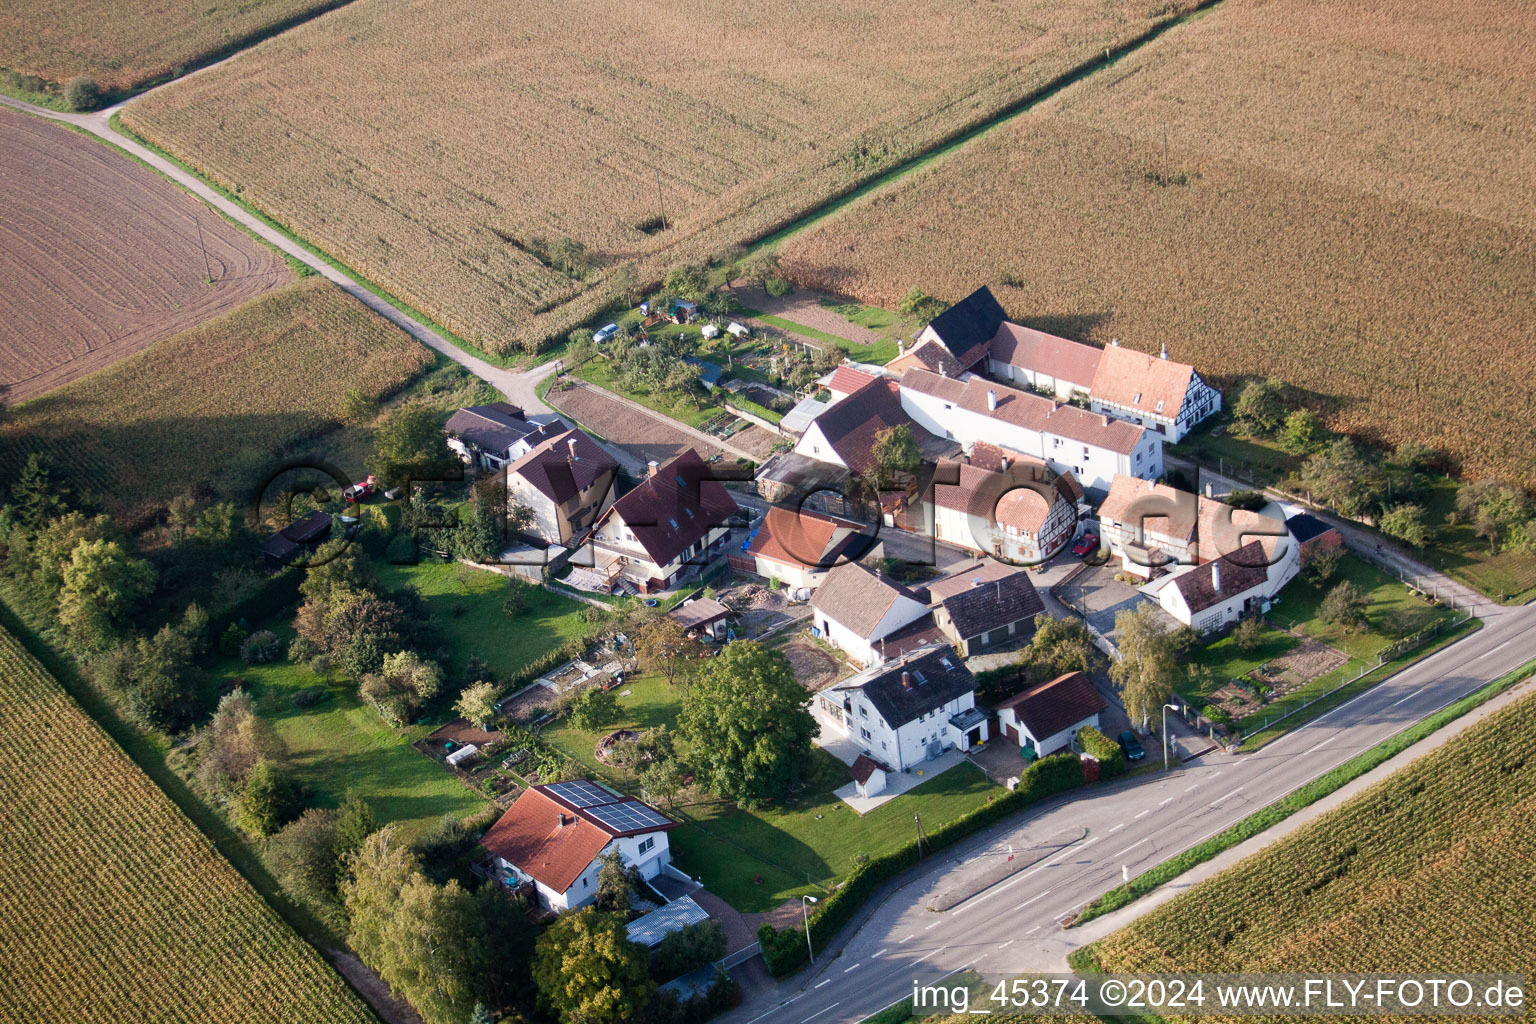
x=341, y=744
x=651, y=702
x=467, y=607
x=881, y=352
x=1226, y=662
x=599, y=371
x=1393, y=612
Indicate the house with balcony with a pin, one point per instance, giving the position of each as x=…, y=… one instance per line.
x=488, y=437
x=867, y=616
x=567, y=481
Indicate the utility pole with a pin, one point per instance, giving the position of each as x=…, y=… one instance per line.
x=919, y=819
x=1165, y=155
x=660, y=202
x=207, y=273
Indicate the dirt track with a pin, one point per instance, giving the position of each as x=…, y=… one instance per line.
x=101, y=258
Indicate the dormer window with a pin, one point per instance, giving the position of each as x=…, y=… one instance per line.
x=1159, y=407
x=1136, y=398
x=688, y=512
x=673, y=522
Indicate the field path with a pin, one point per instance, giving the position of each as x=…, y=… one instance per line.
x=520, y=387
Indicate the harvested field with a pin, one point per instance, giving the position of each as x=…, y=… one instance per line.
x=102, y=257
x=124, y=44
x=216, y=405
x=433, y=147
x=1348, y=208
x=1430, y=870
x=116, y=907
x=646, y=436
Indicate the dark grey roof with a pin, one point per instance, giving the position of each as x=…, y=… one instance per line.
x=1304, y=526
x=993, y=603
x=970, y=322
x=492, y=428
x=285, y=543
x=936, y=676
x=1239, y=572
x=564, y=465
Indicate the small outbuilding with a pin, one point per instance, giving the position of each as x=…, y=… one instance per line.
x=649, y=930
x=869, y=775
x=1043, y=719
x=298, y=537
x=736, y=330
x=681, y=311
x=704, y=614
x=468, y=752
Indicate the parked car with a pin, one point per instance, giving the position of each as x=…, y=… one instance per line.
x=394, y=493
x=1087, y=544
x=604, y=333
x=360, y=490
x=1132, y=746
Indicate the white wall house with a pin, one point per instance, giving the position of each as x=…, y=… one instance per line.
x=855, y=608
x=1156, y=392
x=567, y=481
x=1044, y=719
x=1092, y=447
x=909, y=711
x=552, y=837
x=798, y=547
x=1216, y=594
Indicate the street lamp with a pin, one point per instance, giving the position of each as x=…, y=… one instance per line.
x=806, y=917
x=1165, y=733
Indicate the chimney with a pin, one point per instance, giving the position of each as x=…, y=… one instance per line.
x=1216, y=576
x=1004, y=463
x=1165, y=350
x=991, y=401
x=1208, y=489
x=571, y=441
x=1115, y=342
x=943, y=370
x=906, y=680
x=1106, y=419
x=654, y=468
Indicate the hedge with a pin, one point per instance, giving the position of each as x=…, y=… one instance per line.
x=785, y=951
x=1103, y=750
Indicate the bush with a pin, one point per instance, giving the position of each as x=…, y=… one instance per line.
x=269, y=800
x=688, y=949
x=776, y=286
x=1103, y=750
x=232, y=639
x=260, y=648
x=310, y=696
x=1248, y=635
x=1249, y=501
x=82, y=93
x=301, y=649
x=785, y=951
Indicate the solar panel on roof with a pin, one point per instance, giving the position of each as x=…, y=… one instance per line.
x=581, y=794
x=628, y=816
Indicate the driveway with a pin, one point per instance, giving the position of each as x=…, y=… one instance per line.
x=1099, y=597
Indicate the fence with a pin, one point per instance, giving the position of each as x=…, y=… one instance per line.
x=741, y=956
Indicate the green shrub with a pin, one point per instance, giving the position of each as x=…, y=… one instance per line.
x=1103, y=750
x=310, y=696
x=776, y=286
x=261, y=647
x=82, y=93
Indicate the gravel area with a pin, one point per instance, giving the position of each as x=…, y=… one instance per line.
x=803, y=306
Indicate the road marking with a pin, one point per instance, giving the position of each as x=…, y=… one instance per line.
x=933, y=926
x=1191, y=789
x=1165, y=803
x=824, y=981
x=1008, y=943
x=818, y=1013
x=1032, y=899
x=1041, y=867
x=1219, y=799
x=1133, y=846
x=883, y=951
x=1412, y=695
x=1143, y=814
x=1033, y=930
x=1117, y=828
x=1496, y=650
x=925, y=956
x=853, y=968
x=909, y=938
x=1335, y=736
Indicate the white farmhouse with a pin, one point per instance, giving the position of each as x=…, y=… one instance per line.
x=550, y=840
x=859, y=612
x=909, y=711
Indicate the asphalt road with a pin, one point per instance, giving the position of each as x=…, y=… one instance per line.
x=1131, y=826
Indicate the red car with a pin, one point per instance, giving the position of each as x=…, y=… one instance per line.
x=1087, y=544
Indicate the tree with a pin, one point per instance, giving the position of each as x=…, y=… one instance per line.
x=595, y=708
x=403, y=684
x=1146, y=669
x=617, y=881
x=354, y=824
x=895, y=455
x=624, y=283
x=1343, y=478
x=664, y=646
x=1345, y=606
x=358, y=629
x=36, y=496
x=165, y=682
x=358, y=407
x=1260, y=407
x=101, y=587
x=340, y=568
x=588, y=972
x=82, y=93
x=1248, y=635
x=269, y=799
x=409, y=445
x=1407, y=523
x=661, y=781
x=920, y=307
x=181, y=514
x=749, y=720
x=477, y=703
x=1058, y=647
x=1248, y=501
x=507, y=938
x=236, y=738
x=303, y=856
x=1323, y=564
x=688, y=949
x=1495, y=510
x=1303, y=433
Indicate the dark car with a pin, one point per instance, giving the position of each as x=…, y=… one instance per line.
x=1087, y=544
x=1132, y=746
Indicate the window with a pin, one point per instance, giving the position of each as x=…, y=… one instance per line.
x=1136, y=398
x=1159, y=406
x=864, y=733
x=1086, y=453
x=863, y=711
x=648, y=845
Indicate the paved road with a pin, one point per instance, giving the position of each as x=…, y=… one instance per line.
x=1132, y=826
x=520, y=387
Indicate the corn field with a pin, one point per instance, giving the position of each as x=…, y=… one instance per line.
x=125, y=43
x=434, y=148
x=116, y=907
x=1431, y=870
x=1393, y=285
x=218, y=404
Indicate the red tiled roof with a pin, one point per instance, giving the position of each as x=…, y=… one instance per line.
x=863, y=767
x=798, y=538
x=552, y=470
x=1214, y=525
x=1046, y=353
x=991, y=456
x=929, y=355
x=1050, y=707
x=676, y=507
x=531, y=836
x=847, y=379
x=1032, y=412
x=850, y=426
x=1138, y=381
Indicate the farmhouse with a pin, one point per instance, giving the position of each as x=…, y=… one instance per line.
x=671, y=527
x=984, y=604
x=799, y=548
x=967, y=328
x=858, y=611
x=1155, y=392
x=551, y=837
x=1044, y=718
x=487, y=437
x=1043, y=362
x=907, y=712
x=1093, y=447
x=1002, y=504
x=844, y=435
x=1149, y=525
x=567, y=481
